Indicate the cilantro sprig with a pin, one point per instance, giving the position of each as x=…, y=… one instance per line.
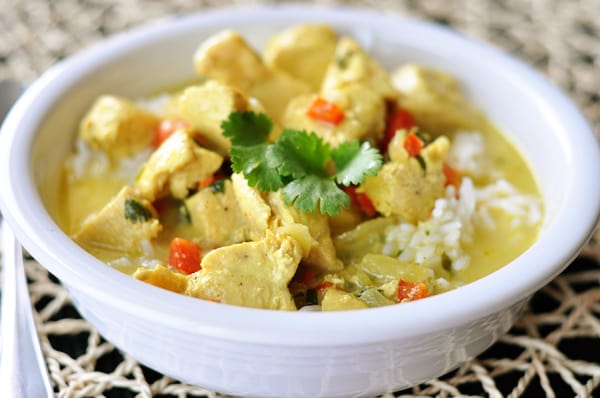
x=306, y=168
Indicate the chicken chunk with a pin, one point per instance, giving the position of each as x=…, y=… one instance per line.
x=206, y=106
x=346, y=220
x=251, y=274
x=117, y=126
x=321, y=255
x=216, y=217
x=364, y=114
x=253, y=206
x=177, y=165
x=125, y=224
x=276, y=92
x=303, y=51
x=163, y=277
x=405, y=186
x=435, y=100
x=268, y=212
x=227, y=57
x=357, y=85
x=352, y=64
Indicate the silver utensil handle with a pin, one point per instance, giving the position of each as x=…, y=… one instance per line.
x=23, y=371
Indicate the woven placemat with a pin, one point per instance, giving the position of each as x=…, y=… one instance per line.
x=549, y=352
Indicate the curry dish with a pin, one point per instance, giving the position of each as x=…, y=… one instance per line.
x=306, y=176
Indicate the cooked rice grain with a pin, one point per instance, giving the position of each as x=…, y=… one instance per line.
x=453, y=220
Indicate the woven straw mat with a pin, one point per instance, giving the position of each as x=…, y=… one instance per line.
x=549, y=352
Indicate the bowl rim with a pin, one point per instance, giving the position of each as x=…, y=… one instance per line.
x=40, y=235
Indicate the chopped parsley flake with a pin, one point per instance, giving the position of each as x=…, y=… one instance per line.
x=136, y=212
x=184, y=212
x=218, y=186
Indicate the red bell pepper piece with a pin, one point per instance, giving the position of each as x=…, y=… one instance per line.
x=409, y=291
x=326, y=111
x=413, y=144
x=398, y=119
x=362, y=200
x=185, y=255
x=165, y=128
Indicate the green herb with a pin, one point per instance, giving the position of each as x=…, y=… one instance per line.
x=446, y=262
x=218, y=186
x=342, y=60
x=312, y=297
x=184, y=212
x=421, y=162
x=426, y=138
x=250, y=153
x=298, y=162
x=139, y=173
x=136, y=212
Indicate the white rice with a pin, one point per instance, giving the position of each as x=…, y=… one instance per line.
x=444, y=233
x=467, y=154
x=453, y=219
x=87, y=161
x=155, y=104
x=501, y=195
x=147, y=260
x=128, y=167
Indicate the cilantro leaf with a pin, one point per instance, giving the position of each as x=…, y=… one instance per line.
x=309, y=191
x=251, y=154
x=353, y=161
x=305, y=153
x=247, y=128
x=259, y=164
x=297, y=162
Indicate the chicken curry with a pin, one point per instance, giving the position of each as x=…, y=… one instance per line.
x=306, y=176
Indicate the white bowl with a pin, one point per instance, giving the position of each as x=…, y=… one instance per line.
x=275, y=354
